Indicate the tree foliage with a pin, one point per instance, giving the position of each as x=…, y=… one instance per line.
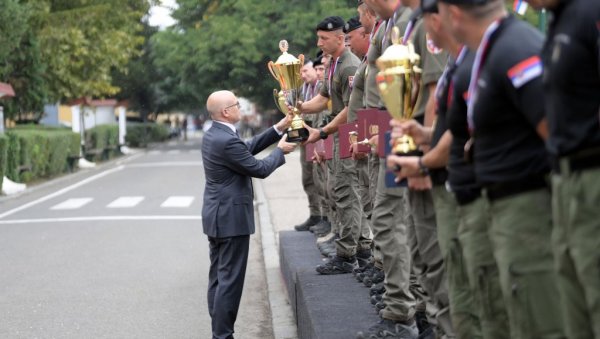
x=226, y=44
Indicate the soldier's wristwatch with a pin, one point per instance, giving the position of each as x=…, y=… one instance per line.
x=322, y=134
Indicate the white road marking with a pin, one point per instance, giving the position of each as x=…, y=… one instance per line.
x=165, y=164
x=72, y=204
x=125, y=202
x=103, y=218
x=174, y=151
x=154, y=152
x=177, y=202
x=62, y=191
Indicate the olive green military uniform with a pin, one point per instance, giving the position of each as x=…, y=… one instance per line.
x=427, y=257
x=348, y=212
x=362, y=235
x=308, y=179
x=389, y=211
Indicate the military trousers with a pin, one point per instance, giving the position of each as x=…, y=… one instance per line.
x=463, y=313
x=329, y=186
x=576, y=242
x=521, y=227
x=481, y=268
x=350, y=215
x=428, y=263
x=389, y=233
x=373, y=172
x=308, y=183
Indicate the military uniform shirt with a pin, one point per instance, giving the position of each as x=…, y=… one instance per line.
x=461, y=175
x=341, y=81
x=308, y=92
x=439, y=175
x=506, y=110
x=432, y=63
x=357, y=93
x=372, y=99
x=572, y=77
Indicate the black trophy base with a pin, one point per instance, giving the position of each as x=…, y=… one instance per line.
x=297, y=135
x=416, y=153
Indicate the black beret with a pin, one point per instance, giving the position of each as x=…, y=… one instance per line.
x=318, y=59
x=427, y=6
x=359, y=2
x=331, y=23
x=352, y=24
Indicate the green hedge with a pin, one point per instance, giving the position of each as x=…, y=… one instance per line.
x=102, y=137
x=42, y=152
x=3, y=149
x=140, y=134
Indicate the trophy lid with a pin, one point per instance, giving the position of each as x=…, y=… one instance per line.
x=285, y=57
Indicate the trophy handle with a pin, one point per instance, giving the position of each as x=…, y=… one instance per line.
x=301, y=58
x=282, y=109
x=270, y=67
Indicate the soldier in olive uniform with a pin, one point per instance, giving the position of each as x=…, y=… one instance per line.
x=337, y=87
x=507, y=126
x=571, y=58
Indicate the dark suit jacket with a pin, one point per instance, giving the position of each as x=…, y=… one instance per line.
x=229, y=165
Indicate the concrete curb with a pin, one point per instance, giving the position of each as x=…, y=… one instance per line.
x=284, y=322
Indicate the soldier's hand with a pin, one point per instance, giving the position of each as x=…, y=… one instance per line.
x=286, y=147
x=313, y=135
x=403, y=167
x=285, y=123
x=411, y=128
x=356, y=155
x=420, y=183
x=316, y=158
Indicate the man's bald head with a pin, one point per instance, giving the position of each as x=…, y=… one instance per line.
x=217, y=101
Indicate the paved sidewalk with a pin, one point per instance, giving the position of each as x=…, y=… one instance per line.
x=283, y=189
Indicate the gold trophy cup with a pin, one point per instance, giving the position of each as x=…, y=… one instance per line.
x=286, y=70
x=399, y=82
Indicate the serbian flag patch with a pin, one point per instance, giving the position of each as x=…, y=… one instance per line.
x=520, y=7
x=525, y=71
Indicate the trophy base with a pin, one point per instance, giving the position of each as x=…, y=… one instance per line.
x=297, y=135
x=409, y=153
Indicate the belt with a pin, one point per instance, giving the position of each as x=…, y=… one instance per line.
x=438, y=176
x=505, y=189
x=465, y=196
x=580, y=161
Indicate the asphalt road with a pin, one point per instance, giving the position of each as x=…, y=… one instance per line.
x=117, y=252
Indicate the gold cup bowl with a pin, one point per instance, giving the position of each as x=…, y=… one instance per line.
x=398, y=81
x=286, y=70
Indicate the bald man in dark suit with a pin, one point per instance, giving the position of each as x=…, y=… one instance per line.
x=228, y=212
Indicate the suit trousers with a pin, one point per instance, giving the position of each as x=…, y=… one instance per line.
x=228, y=259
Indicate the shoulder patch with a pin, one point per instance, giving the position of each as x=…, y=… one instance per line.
x=351, y=81
x=525, y=71
x=431, y=47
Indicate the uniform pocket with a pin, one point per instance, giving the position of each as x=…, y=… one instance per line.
x=534, y=300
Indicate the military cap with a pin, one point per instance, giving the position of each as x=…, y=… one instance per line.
x=318, y=59
x=352, y=24
x=427, y=6
x=359, y=2
x=331, y=23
